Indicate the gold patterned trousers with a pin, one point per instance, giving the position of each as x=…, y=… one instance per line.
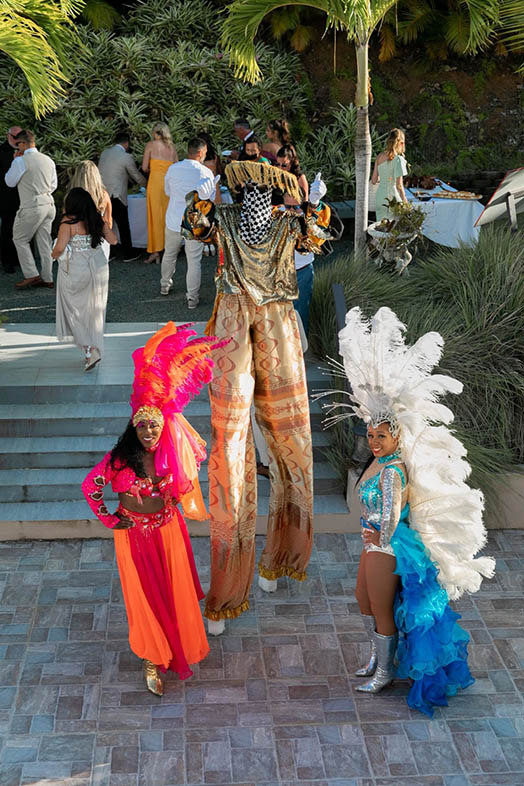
x=262, y=362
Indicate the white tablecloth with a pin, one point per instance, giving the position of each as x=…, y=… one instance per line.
x=449, y=221
x=137, y=214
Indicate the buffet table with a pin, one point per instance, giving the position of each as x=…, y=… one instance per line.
x=137, y=214
x=448, y=221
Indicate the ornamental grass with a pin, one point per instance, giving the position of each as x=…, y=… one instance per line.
x=474, y=297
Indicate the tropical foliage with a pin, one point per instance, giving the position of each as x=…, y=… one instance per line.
x=475, y=299
x=39, y=36
x=144, y=74
x=453, y=27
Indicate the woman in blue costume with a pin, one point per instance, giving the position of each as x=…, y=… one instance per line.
x=421, y=523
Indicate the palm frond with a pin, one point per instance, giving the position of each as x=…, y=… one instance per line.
x=244, y=17
x=416, y=17
x=481, y=18
x=100, y=14
x=379, y=9
x=388, y=47
x=39, y=37
x=512, y=24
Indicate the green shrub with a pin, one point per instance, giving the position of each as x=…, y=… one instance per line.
x=474, y=297
x=163, y=63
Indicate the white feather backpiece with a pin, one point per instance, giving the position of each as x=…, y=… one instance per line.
x=387, y=375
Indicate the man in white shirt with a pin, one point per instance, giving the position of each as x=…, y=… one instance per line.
x=34, y=174
x=117, y=167
x=182, y=178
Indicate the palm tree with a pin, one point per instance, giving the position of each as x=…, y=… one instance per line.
x=37, y=35
x=358, y=19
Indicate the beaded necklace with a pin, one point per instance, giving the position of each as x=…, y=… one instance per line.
x=391, y=457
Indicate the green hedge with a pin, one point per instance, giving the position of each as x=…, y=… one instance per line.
x=164, y=63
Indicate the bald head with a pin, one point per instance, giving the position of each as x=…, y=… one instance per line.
x=11, y=133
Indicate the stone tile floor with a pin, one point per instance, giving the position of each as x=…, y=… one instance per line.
x=272, y=704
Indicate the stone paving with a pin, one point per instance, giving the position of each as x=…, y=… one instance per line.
x=272, y=704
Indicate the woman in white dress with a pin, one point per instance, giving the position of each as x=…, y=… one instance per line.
x=83, y=275
x=87, y=176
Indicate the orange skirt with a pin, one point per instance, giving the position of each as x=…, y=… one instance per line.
x=161, y=590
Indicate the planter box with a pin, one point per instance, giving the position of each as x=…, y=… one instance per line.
x=509, y=515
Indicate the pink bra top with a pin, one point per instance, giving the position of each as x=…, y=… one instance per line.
x=123, y=481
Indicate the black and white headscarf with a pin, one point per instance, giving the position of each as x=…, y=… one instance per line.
x=255, y=217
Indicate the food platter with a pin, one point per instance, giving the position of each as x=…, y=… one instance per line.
x=455, y=195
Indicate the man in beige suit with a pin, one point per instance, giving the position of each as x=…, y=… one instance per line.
x=34, y=174
x=117, y=166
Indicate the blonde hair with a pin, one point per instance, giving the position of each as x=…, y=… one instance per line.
x=162, y=130
x=395, y=138
x=87, y=176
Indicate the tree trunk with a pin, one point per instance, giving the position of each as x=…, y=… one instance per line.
x=362, y=146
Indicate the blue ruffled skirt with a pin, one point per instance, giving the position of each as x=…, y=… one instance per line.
x=432, y=648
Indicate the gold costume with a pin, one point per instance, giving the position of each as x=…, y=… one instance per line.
x=263, y=362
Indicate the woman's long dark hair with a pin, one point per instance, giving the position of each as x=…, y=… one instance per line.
x=288, y=151
x=282, y=129
x=79, y=206
x=129, y=452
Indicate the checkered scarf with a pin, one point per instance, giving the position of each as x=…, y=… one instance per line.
x=255, y=218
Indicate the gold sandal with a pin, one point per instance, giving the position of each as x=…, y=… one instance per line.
x=153, y=681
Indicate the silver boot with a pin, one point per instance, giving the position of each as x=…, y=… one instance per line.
x=385, y=671
x=369, y=669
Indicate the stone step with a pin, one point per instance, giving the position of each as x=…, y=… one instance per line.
x=71, y=511
x=86, y=451
x=56, y=485
x=61, y=419
x=57, y=385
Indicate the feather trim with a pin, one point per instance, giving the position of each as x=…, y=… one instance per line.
x=385, y=374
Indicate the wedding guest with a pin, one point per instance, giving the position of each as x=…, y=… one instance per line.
x=242, y=131
x=278, y=135
x=212, y=161
x=9, y=203
x=117, y=167
x=87, y=176
x=83, y=275
x=253, y=151
x=287, y=159
x=34, y=174
x=159, y=154
x=182, y=178
x=390, y=168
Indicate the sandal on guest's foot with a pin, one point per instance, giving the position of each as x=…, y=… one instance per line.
x=92, y=358
x=152, y=259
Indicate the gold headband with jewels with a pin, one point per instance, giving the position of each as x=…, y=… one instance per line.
x=148, y=413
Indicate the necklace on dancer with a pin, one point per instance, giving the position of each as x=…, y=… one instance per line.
x=391, y=457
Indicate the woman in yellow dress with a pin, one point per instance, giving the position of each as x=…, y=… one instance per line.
x=159, y=154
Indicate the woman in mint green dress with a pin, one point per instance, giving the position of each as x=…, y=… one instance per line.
x=390, y=168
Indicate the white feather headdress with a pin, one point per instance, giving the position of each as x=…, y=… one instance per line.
x=393, y=382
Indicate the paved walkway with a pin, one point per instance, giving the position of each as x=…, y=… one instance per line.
x=272, y=704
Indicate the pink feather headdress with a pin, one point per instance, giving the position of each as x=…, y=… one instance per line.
x=170, y=370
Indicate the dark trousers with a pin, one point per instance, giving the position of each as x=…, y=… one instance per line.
x=7, y=247
x=305, y=290
x=121, y=218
